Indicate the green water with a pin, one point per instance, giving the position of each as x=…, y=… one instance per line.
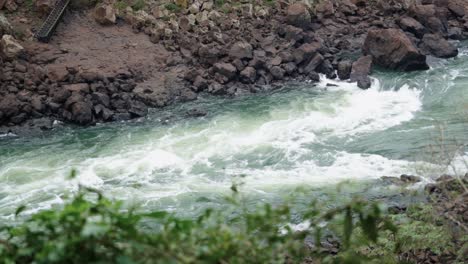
x=303, y=135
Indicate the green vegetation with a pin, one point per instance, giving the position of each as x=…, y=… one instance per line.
x=138, y=5
x=172, y=7
x=88, y=230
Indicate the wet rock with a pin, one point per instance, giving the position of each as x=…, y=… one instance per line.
x=298, y=15
x=344, y=69
x=241, y=50
x=410, y=178
x=10, y=47
x=438, y=46
x=411, y=25
x=391, y=48
x=277, y=72
x=138, y=109
x=196, y=112
x=105, y=14
x=314, y=63
x=248, y=75
x=360, y=72
x=200, y=83
x=82, y=113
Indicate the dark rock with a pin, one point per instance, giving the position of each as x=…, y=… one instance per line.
x=277, y=72
x=9, y=105
x=241, y=50
x=314, y=63
x=248, y=75
x=77, y=87
x=314, y=76
x=225, y=69
x=138, y=109
x=216, y=88
x=82, y=113
x=305, y=52
x=429, y=16
x=360, y=72
x=200, y=83
x=392, y=49
x=438, y=46
x=411, y=25
x=344, y=69
x=410, y=178
x=298, y=15
x=196, y=112
x=101, y=98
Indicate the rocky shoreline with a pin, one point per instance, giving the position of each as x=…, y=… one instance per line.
x=190, y=47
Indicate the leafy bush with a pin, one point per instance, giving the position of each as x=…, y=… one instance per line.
x=103, y=231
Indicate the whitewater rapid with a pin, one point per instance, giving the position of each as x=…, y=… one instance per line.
x=306, y=135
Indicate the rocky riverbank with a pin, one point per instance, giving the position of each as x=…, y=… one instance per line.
x=115, y=60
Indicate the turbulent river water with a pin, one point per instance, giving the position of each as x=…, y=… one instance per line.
x=302, y=135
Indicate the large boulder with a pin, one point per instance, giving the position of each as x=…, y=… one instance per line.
x=105, y=15
x=10, y=47
x=298, y=15
x=438, y=46
x=391, y=48
x=344, y=69
x=360, y=72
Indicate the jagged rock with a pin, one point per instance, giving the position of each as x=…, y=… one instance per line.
x=105, y=15
x=10, y=5
x=9, y=105
x=314, y=63
x=241, y=50
x=77, y=87
x=410, y=178
x=298, y=15
x=429, y=16
x=457, y=7
x=57, y=73
x=324, y=9
x=344, y=69
x=392, y=49
x=305, y=52
x=200, y=83
x=411, y=25
x=5, y=27
x=277, y=72
x=436, y=45
x=10, y=47
x=248, y=75
x=225, y=69
x=360, y=72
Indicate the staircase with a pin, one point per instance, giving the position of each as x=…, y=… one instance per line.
x=52, y=21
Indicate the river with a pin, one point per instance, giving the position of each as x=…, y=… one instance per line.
x=304, y=135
